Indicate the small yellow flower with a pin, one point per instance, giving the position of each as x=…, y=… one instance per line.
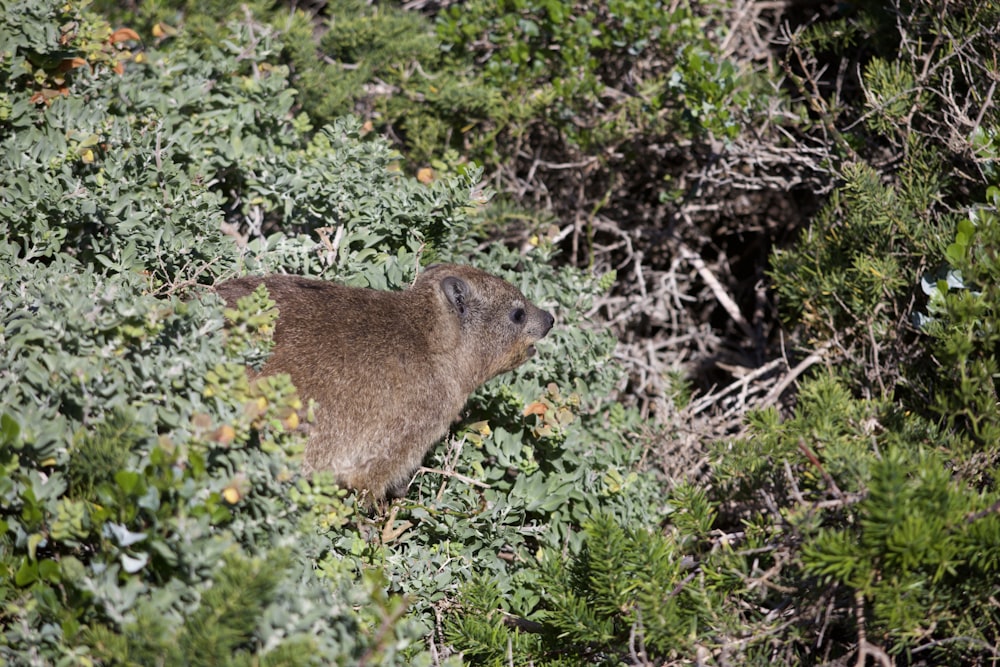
x=231, y=494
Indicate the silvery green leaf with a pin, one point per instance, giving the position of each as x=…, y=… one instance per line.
x=954, y=279
x=928, y=283
x=122, y=535
x=134, y=564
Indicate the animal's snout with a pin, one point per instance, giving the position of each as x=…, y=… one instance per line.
x=547, y=322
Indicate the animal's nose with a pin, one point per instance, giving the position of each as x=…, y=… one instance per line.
x=548, y=321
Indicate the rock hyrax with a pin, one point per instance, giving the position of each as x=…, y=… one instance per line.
x=390, y=371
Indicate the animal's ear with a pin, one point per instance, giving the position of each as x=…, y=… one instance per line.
x=458, y=294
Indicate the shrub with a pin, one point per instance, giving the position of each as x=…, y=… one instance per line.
x=881, y=485
x=140, y=486
x=870, y=504
x=151, y=501
x=963, y=307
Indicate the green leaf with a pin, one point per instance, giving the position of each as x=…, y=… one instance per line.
x=955, y=254
x=128, y=480
x=27, y=573
x=10, y=430
x=48, y=570
x=966, y=229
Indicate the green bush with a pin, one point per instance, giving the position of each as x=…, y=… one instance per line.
x=964, y=316
x=484, y=79
x=151, y=505
x=139, y=486
x=883, y=481
x=854, y=266
x=896, y=234
x=628, y=591
x=150, y=495
x=868, y=495
x=565, y=63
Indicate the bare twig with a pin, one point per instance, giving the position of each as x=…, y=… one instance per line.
x=717, y=290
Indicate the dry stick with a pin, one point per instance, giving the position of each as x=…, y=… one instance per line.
x=438, y=631
x=450, y=463
x=523, y=624
x=995, y=507
x=800, y=368
x=390, y=531
x=865, y=648
x=954, y=640
x=876, y=364
x=812, y=92
x=831, y=485
x=986, y=104
x=734, y=25
x=717, y=289
x=460, y=477
x=924, y=75
x=707, y=401
x=680, y=586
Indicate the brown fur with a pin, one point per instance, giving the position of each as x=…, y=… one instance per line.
x=390, y=371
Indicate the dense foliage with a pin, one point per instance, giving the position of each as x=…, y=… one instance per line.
x=148, y=487
x=151, y=509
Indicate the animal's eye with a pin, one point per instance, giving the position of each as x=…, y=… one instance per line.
x=517, y=316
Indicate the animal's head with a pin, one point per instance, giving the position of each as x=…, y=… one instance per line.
x=496, y=321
